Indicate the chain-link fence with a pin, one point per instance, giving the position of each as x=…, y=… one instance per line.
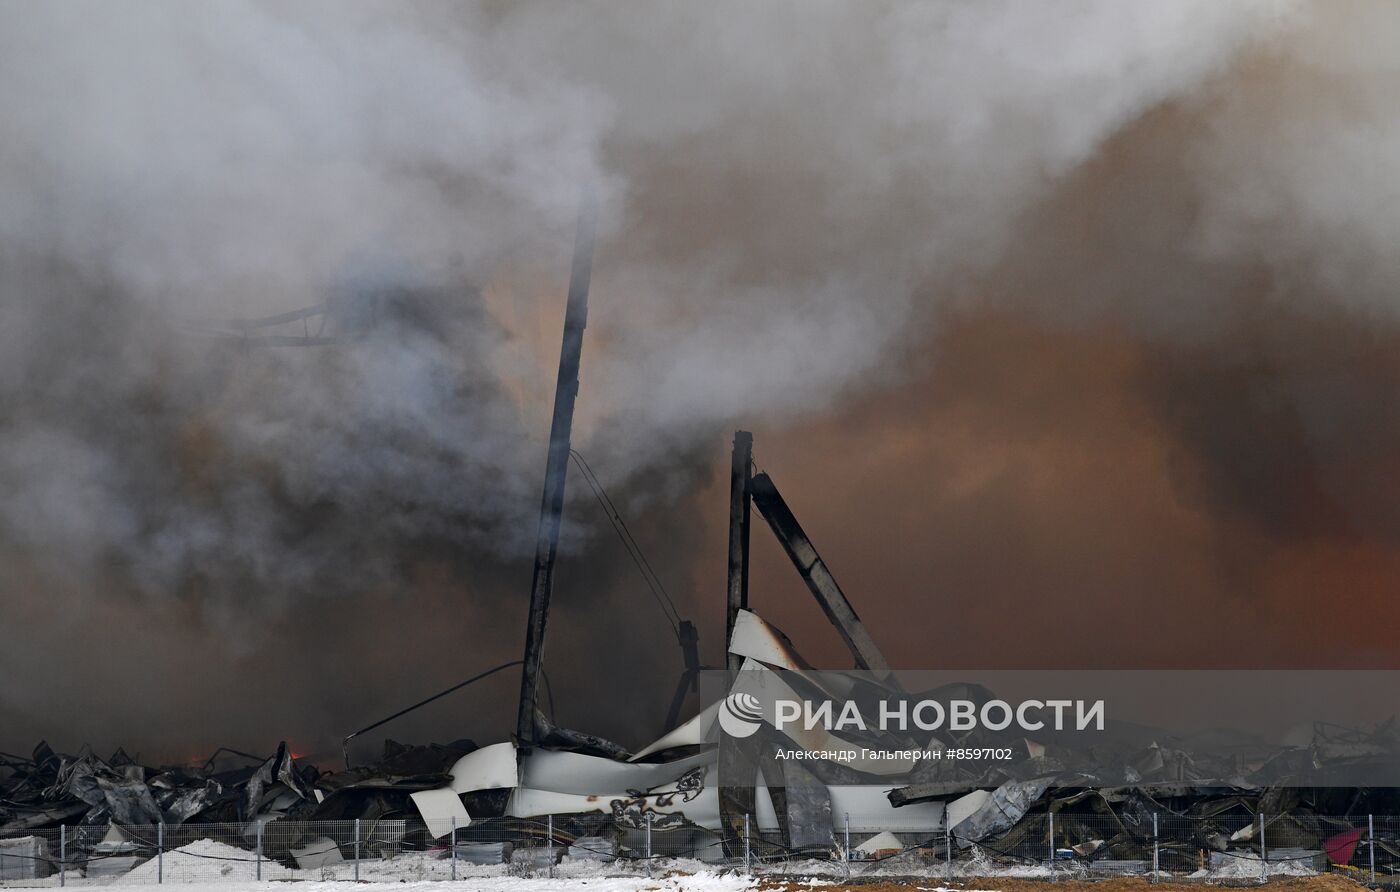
x=1216, y=848
x=185, y=853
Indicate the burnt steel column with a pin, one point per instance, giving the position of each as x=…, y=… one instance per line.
x=555, y=469
x=739, y=471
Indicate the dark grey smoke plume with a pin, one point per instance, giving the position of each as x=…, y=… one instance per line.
x=210, y=542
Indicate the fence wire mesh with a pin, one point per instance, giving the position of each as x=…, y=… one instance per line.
x=1210, y=848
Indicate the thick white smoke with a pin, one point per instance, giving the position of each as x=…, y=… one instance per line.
x=791, y=194
x=787, y=188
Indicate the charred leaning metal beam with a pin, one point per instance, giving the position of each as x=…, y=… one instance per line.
x=556, y=468
x=814, y=572
x=739, y=478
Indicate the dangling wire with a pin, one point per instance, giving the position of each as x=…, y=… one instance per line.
x=658, y=590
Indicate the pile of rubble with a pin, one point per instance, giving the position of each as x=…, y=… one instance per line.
x=1136, y=794
x=47, y=788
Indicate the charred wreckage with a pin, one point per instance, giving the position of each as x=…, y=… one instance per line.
x=712, y=789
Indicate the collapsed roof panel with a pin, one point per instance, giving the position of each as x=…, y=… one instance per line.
x=564, y=772
x=697, y=731
x=442, y=811
x=490, y=767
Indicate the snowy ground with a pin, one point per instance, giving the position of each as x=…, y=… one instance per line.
x=210, y=866
x=701, y=882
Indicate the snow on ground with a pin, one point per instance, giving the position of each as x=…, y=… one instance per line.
x=204, y=860
x=209, y=866
x=696, y=882
x=1248, y=869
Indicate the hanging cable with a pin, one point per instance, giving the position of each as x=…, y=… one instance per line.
x=345, y=744
x=658, y=590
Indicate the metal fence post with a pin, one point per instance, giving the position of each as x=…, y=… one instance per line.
x=160, y=853
x=357, y=850
x=1156, y=851
x=848, y=836
x=948, y=845
x=63, y=854
x=259, y=856
x=1371, y=844
x=549, y=846
x=649, y=817
x=454, y=847
x=1263, y=853
x=1052, y=845
x=748, y=865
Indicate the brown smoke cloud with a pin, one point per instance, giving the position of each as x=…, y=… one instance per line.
x=1067, y=331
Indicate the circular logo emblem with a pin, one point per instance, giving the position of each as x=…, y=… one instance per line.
x=740, y=714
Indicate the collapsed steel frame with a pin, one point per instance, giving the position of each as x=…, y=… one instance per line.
x=588, y=786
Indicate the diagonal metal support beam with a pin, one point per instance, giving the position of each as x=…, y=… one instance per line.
x=815, y=573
